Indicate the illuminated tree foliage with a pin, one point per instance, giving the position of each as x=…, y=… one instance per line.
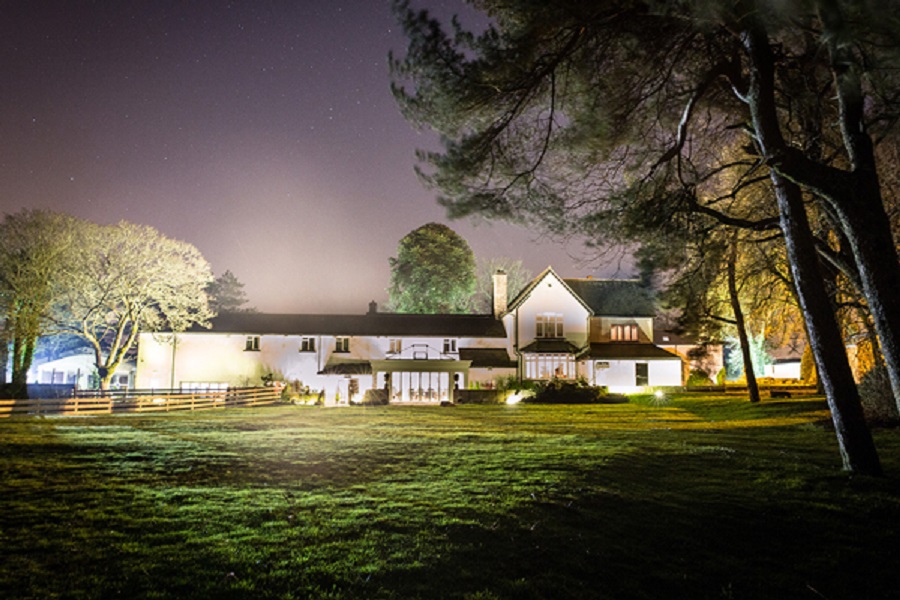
x=579, y=115
x=35, y=248
x=433, y=272
x=128, y=278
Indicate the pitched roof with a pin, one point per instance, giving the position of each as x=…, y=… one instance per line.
x=603, y=297
x=487, y=357
x=628, y=350
x=526, y=291
x=550, y=346
x=383, y=324
x=614, y=297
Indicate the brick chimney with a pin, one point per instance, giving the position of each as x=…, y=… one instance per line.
x=500, y=293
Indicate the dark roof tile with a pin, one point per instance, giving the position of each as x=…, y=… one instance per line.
x=378, y=324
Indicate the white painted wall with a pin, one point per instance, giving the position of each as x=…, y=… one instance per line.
x=621, y=375
x=222, y=358
x=550, y=295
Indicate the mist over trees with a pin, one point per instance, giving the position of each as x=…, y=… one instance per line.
x=617, y=120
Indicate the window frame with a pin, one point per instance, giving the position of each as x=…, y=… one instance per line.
x=624, y=332
x=342, y=344
x=251, y=343
x=549, y=326
x=307, y=344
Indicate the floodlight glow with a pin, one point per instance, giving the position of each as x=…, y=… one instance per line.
x=514, y=398
x=659, y=394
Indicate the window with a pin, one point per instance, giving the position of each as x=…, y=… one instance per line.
x=252, y=343
x=342, y=344
x=549, y=366
x=641, y=374
x=396, y=346
x=623, y=333
x=549, y=325
x=449, y=346
x=308, y=344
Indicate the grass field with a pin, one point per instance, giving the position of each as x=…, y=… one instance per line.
x=699, y=498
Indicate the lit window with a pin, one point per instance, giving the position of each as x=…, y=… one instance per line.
x=623, y=333
x=396, y=346
x=342, y=344
x=549, y=366
x=449, y=346
x=252, y=343
x=549, y=326
x=308, y=344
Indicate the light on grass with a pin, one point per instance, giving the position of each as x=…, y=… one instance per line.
x=514, y=398
x=659, y=398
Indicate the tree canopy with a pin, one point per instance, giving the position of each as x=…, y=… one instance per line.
x=433, y=272
x=226, y=294
x=35, y=261
x=127, y=278
x=611, y=118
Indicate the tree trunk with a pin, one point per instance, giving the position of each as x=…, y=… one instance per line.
x=857, y=201
x=4, y=353
x=855, y=442
x=746, y=352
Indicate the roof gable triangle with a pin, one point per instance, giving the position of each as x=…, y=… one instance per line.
x=548, y=272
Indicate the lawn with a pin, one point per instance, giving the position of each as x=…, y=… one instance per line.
x=700, y=497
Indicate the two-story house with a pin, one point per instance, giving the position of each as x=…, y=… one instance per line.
x=415, y=357
x=598, y=330
x=595, y=329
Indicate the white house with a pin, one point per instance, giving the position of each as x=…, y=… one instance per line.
x=599, y=330
x=416, y=357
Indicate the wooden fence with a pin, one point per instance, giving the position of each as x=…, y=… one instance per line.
x=140, y=402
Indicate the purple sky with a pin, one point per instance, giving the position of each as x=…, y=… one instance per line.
x=262, y=132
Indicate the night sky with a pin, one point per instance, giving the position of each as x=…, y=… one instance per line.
x=262, y=132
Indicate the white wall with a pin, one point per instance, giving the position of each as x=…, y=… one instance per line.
x=621, y=375
x=222, y=358
x=550, y=296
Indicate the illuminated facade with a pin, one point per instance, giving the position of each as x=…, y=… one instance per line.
x=597, y=330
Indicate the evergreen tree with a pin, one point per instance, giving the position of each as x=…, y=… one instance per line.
x=226, y=294
x=578, y=116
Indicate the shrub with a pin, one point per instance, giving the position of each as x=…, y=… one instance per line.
x=558, y=391
x=374, y=397
x=699, y=377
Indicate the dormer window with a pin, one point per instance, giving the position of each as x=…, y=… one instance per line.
x=623, y=333
x=549, y=325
